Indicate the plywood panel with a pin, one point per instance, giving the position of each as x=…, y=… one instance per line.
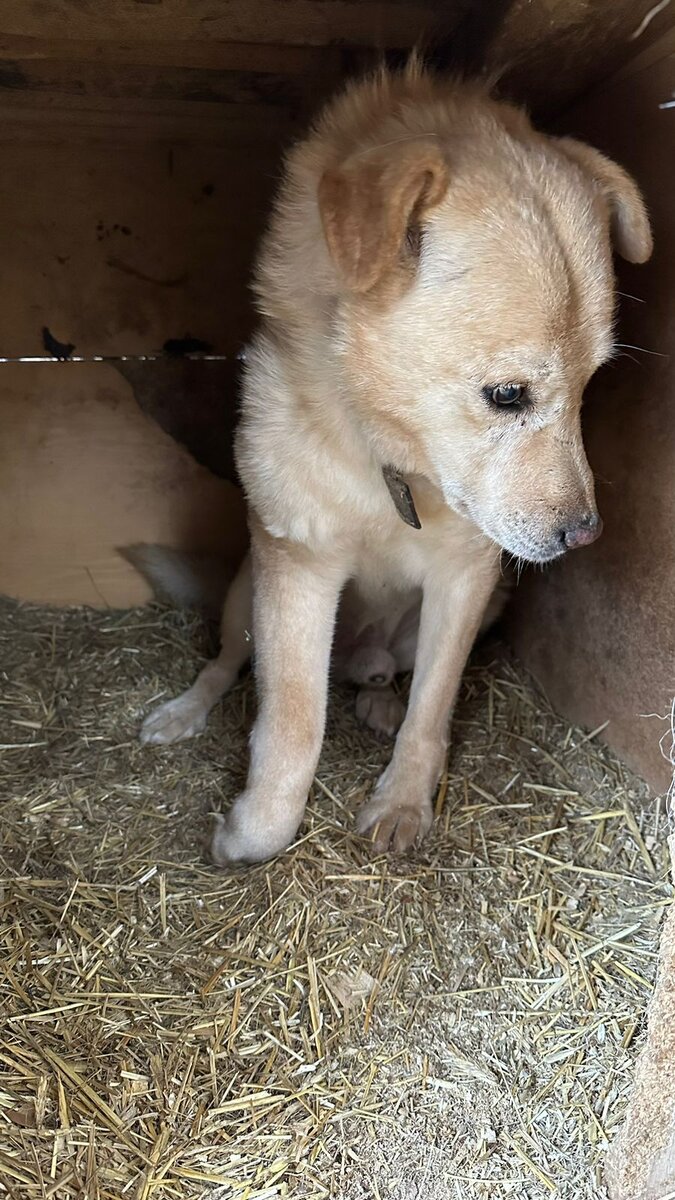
x=23, y=115
x=315, y=22
x=148, y=82
x=118, y=245
x=85, y=471
x=599, y=629
x=214, y=54
x=545, y=51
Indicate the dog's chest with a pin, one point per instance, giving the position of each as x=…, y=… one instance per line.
x=395, y=558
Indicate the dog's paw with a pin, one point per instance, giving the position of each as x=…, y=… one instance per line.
x=252, y=832
x=381, y=710
x=174, y=721
x=392, y=824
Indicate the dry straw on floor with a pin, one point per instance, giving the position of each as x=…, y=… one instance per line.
x=458, y=1023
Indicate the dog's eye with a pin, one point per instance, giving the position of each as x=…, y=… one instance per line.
x=506, y=395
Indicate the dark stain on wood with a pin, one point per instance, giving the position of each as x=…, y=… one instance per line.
x=58, y=350
x=180, y=347
x=121, y=81
x=195, y=402
x=119, y=265
x=13, y=77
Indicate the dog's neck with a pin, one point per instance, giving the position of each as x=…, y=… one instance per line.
x=350, y=424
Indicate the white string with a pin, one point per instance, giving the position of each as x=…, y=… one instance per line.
x=647, y=19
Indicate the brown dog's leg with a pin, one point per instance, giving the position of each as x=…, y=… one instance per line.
x=186, y=715
x=295, y=600
x=400, y=810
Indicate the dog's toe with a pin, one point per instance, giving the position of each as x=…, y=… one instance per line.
x=381, y=710
x=245, y=835
x=222, y=849
x=391, y=825
x=174, y=721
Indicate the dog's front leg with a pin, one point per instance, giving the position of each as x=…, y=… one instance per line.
x=294, y=604
x=400, y=810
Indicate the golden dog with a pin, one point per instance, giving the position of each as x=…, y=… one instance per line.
x=436, y=289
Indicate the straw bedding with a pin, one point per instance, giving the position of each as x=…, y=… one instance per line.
x=460, y=1022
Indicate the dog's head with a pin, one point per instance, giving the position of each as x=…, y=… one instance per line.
x=475, y=300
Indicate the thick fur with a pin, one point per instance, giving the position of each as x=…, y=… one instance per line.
x=426, y=246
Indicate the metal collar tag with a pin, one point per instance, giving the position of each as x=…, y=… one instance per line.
x=402, y=497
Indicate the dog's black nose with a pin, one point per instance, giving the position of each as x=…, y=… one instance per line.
x=580, y=532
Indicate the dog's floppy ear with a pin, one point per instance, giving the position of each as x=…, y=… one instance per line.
x=371, y=200
x=631, y=232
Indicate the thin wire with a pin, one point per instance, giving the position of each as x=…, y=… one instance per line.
x=113, y=358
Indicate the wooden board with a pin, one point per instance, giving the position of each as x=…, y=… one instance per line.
x=294, y=22
x=61, y=116
x=85, y=471
x=119, y=244
x=144, y=83
x=214, y=54
x=546, y=51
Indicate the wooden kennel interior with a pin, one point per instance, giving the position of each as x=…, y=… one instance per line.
x=141, y=142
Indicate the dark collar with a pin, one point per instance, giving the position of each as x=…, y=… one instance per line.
x=402, y=497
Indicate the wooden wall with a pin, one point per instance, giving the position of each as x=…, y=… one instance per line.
x=281, y=53
x=119, y=242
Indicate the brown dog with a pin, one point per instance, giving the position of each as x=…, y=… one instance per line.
x=436, y=289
